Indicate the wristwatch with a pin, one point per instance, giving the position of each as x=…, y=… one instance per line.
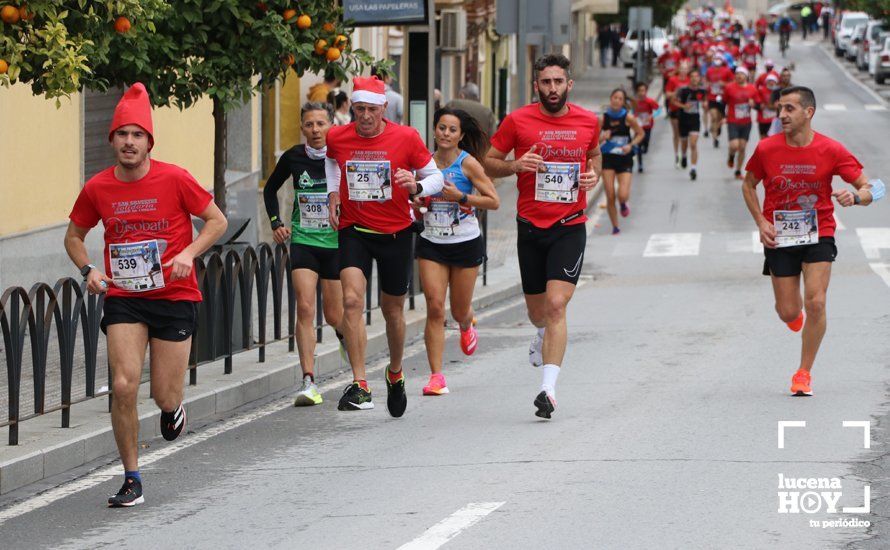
x=85, y=270
x=276, y=223
x=463, y=199
x=419, y=190
x=856, y=198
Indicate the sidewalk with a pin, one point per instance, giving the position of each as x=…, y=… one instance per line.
x=46, y=450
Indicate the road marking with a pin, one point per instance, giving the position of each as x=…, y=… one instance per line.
x=672, y=244
x=835, y=107
x=840, y=225
x=453, y=525
x=883, y=271
x=102, y=475
x=872, y=107
x=873, y=240
x=782, y=424
x=756, y=245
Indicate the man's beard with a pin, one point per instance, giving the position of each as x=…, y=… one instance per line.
x=554, y=107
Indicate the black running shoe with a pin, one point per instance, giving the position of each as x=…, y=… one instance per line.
x=355, y=398
x=172, y=423
x=640, y=169
x=546, y=404
x=396, y=399
x=129, y=495
x=706, y=133
x=693, y=174
x=716, y=143
x=683, y=162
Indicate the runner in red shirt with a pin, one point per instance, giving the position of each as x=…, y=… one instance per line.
x=670, y=92
x=644, y=110
x=669, y=62
x=558, y=161
x=741, y=99
x=769, y=69
x=766, y=108
x=369, y=168
x=797, y=220
x=145, y=207
x=749, y=55
x=717, y=77
x=762, y=26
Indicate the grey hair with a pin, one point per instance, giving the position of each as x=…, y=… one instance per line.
x=470, y=91
x=317, y=106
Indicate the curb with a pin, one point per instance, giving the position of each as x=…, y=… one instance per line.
x=47, y=450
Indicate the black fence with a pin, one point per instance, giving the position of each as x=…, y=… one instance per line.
x=236, y=283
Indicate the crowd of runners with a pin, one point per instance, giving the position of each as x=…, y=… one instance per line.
x=360, y=190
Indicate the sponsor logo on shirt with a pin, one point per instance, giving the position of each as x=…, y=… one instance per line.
x=130, y=207
x=120, y=228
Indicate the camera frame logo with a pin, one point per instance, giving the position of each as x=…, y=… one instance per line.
x=812, y=495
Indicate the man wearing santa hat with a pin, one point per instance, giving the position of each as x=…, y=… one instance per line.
x=151, y=292
x=374, y=168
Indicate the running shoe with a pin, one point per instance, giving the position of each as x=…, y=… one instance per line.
x=800, y=383
x=729, y=162
x=616, y=230
x=716, y=143
x=355, y=398
x=396, y=399
x=797, y=324
x=676, y=162
x=308, y=394
x=343, y=354
x=172, y=423
x=625, y=211
x=640, y=169
x=468, y=340
x=738, y=174
x=436, y=386
x=129, y=495
x=536, y=348
x=693, y=174
x=546, y=404
x=683, y=163
x=707, y=133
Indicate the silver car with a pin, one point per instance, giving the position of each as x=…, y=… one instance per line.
x=872, y=31
x=855, y=42
x=882, y=66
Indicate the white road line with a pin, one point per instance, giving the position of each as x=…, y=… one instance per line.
x=450, y=527
x=883, y=271
x=756, y=245
x=853, y=79
x=672, y=244
x=872, y=107
x=837, y=221
x=835, y=107
x=101, y=476
x=873, y=240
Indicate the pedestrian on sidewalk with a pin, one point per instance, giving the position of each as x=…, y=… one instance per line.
x=451, y=247
x=604, y=42
x=616, y=43
x=151, y=297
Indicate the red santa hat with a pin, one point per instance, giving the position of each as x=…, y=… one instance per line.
x=133, y=108
x=368, y=90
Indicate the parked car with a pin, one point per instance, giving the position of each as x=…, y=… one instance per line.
x=845, y=26
x=882, y=67
x=856, y=38
x=868, y=48
x=627, y=53
x=875, y=52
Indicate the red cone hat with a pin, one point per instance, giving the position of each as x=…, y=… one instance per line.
x=133, y=108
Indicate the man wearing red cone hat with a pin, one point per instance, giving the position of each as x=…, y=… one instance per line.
x=151, y=291
x=374, y=168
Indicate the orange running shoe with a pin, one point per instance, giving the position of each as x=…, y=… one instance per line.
x=469, y=339
x=796, y=324
x=436, y=386
x=800, y=383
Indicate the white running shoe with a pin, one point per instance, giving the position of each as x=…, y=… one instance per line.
x=535, y=351
x=308, y=395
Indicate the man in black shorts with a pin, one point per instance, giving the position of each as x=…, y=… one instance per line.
x=145, y=206
x=369, y=168
x=691, y=99
x=549, y=137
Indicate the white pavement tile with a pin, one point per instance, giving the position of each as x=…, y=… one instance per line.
x=875, y=107
x=873, y=240
x=835, y=107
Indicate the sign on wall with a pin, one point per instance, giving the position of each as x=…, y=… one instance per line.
x=385, y=12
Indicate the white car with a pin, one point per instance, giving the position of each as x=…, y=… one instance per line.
x=882, y=66
x=847, y=23
x=852, y=51
x=658, y=41
x=874, y=40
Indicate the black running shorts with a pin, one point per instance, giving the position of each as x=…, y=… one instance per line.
x=787, y=262
x=619, y=163
x=553, y=254
x=689, y=124
x=718, y=105
x=169, y=320
x=739, y=131
x=764, y=128
x=392, y=251
x=465, y=254
x=674, y=114
x=324, y=261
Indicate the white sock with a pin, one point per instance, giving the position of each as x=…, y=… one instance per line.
x=548, y=384
x=541, y=332
x=693, y=167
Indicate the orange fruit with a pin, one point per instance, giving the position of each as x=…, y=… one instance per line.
x=24, y=14
x=290, y=59
x=340, y=42
x=262, y=6
x=321, y=46
x=10, y=14
x=288, y=15
x=122, y=25
x=304, y=22
x=4, y=66
x=328, y=27
x=333, y=54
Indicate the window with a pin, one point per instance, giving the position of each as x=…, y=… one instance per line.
x=98, y=110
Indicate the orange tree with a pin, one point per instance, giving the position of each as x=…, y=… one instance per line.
x=182, y=50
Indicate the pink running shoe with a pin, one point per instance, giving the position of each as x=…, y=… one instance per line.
x=468, y=340
x=436, y=386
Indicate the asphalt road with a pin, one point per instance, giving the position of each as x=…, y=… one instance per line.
x=666, y=433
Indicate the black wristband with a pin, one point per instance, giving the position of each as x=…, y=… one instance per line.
x=276, y=223
x=463, y=199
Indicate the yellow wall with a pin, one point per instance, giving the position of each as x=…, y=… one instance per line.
x=291, y=101
x=185, y=138
x=41, y=162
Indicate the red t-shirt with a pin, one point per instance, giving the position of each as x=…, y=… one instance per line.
x=157, y=208
x=738, y=110
x=749, y=55
x=669, y=62
x=643, y=111
x=762, y=25
x=798, y=178
x=717, y=79
x=566, y=138
x=402, y=147
x=674, y=83
x=761, y=79
x=764, y=112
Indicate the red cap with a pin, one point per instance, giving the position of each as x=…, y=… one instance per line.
x=133, y=108
x=368, y=90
